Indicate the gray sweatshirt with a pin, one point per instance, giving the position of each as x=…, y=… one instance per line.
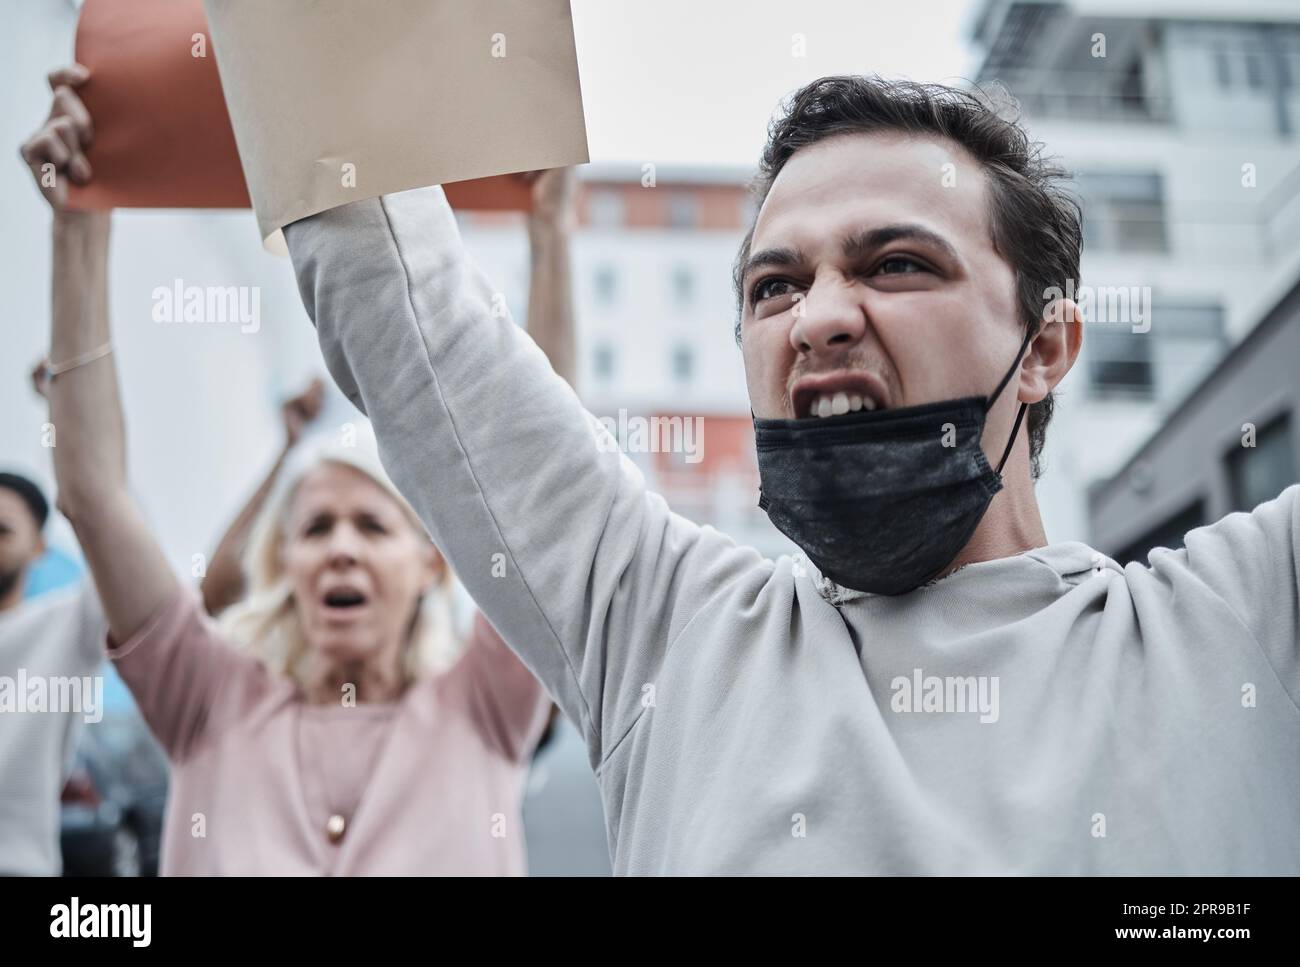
x=1043, y=713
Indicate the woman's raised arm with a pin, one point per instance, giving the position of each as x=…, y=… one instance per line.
x=130, y=571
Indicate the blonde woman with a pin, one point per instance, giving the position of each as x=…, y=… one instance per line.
x=331, y=723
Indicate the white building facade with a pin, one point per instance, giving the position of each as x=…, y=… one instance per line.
x=1180, y=121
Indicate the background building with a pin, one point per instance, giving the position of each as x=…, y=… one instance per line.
x=1183, y=138
x=1231, y=445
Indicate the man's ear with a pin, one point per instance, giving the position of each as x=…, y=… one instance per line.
x=1053, y=350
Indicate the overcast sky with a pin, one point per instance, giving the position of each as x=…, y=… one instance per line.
x=695, y=81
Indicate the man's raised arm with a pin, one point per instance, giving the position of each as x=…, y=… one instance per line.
x=582, y=570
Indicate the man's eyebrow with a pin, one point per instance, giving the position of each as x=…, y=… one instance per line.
x=779, y=257
x=854, y=245
x=858, y=243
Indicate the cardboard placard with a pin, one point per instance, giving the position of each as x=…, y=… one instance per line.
x=163, y=136
x=334, y=101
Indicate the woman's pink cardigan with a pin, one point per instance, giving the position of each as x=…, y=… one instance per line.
x=443, y=796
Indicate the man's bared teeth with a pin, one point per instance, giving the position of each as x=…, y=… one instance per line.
x=839, y=403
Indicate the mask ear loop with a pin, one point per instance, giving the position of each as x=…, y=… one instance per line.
x=1023, y=406
x=1012, y=442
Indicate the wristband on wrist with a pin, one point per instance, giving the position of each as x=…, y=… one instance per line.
x=55, y=369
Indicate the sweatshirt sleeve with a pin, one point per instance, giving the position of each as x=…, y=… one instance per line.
x=583, y=570
x=1250, y=561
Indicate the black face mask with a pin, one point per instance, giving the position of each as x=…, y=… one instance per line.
x=875, y=498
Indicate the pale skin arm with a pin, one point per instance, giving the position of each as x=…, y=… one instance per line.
x=551, y=224
x=550, y=289
x=223, y=583
x=130, y=571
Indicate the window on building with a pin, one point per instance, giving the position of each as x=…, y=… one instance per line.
x=603, y=362
x=683, y=363
x=1168, y=534
x=682, y=210
x=1189, y=339
x=606, y=280
x=605, y=208
x=1254, y=70
x=1222, y=68
x=1288, y=57
x=683, y=285
x=1261, y=472
x=1190, y=321
x=1132, y=89
x=1122, y=212
x=1233, y=77
x=1119, y=363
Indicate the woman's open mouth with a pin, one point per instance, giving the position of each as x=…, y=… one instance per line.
x=344, y=601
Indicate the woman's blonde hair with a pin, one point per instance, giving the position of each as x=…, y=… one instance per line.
x=265, y=622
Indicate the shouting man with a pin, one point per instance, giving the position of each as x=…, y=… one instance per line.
x=932, y=686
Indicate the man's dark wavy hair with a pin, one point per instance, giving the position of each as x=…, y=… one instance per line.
x=1036, y=223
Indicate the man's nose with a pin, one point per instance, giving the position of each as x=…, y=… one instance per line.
x=830, y=317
